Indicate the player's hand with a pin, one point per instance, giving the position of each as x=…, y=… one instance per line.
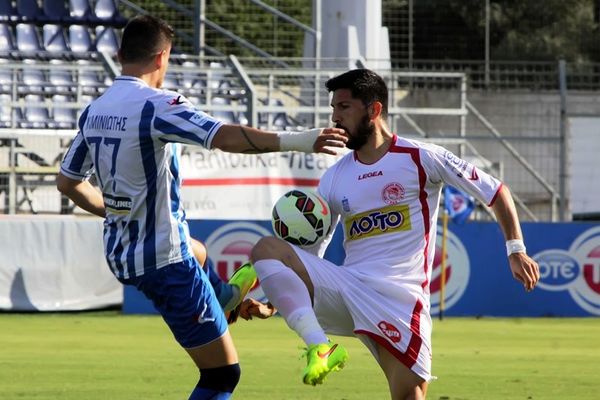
x=524, y=269
x=328, y=138
x=254, y=308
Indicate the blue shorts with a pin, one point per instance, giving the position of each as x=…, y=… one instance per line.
x=183, y=295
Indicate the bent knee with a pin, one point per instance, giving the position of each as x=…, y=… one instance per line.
x=270, y=248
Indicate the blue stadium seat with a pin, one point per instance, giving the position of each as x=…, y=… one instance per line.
x=227, y=117
x=56, y=11
x=62, y=117
x=54, y=39
x=81, y=11
x=191, y=82
x=33, y=80
x=171, y=81
x=5, y=111
x=106, y=40
x=7, y=11
x=7, y=44
x=60, y=79
x=88, y=79
x=80, y=40
x=28, y=41
x=108, y=13
x=6, y=79
x=29, y=10
x=35, y=113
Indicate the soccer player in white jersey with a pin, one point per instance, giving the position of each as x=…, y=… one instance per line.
x=386, y=195
x=130, y=138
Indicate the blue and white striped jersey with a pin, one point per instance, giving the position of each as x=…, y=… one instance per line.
x=130, y=137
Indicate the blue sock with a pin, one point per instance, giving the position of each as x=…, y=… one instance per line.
x=223, y=290
x=201, y=393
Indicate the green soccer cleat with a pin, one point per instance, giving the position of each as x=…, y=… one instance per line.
x=244, y=278
x=321, y=359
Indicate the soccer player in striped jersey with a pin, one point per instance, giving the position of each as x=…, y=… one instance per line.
x=386, y=194
x=130, y=138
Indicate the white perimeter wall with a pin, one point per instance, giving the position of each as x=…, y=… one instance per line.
x=54, y=264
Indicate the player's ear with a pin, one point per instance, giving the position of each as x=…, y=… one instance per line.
x=159, y=59
x=375, y=110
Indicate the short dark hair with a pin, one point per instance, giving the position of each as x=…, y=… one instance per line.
x=144, y=36
x=364, y=85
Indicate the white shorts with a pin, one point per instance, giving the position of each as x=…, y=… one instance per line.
x=349, y=304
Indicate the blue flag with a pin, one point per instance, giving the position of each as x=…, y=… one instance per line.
x=459, y=205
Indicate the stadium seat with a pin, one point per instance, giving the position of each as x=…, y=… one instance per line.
x=60, y=79
x=6, y=78
x=54, y=39
x=28, y=41
x=192, y=82
x=80, y=10
x=171, y=82
x=7, y=44
x=29, y=10
x=5, y=111
x=32, y=79
x=80, y=41
x=36, y=115
x=56, y=11
x=63, y=117
x=107, y=12
x=106, y=40
x=227, y=117
x=88, y=79
x=7, y=11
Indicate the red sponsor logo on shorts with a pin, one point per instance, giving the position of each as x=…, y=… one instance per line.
x=390, y=331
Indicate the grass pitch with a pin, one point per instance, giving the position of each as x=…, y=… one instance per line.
x=105, y=355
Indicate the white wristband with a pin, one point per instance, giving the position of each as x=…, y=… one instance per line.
x=515, y=246
x=298, y=141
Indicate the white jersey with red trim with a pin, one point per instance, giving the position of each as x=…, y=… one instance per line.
x=388, y=209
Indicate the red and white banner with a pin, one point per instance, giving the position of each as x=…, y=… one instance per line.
x=219, y=185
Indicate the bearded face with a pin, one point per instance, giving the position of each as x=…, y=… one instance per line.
x=360, y=137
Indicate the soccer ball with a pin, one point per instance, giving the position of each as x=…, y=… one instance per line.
x=301, y=217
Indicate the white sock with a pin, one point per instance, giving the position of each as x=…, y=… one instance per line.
x=288, y=293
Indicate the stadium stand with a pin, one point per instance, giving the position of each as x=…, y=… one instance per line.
x=107, y=12
x=28, y=42
x=57, y=11
x=62, y=116
x=7, y=43
x=80, y=41
x=106, y=40
x=49, y=57
x=5, y=110
x=60, y=78
x=29, y=11
x=7, y=11
x=81, y=11
x=54, y=38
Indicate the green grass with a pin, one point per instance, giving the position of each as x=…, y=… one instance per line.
x=105, y=355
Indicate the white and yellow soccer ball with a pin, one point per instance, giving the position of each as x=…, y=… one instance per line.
x=301, y=217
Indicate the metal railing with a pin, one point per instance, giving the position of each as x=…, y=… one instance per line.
x=247, y=92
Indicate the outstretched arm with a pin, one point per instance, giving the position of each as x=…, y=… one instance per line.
x=244, y=139
x=523, y=267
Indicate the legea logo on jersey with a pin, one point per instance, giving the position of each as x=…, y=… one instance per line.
x=230, y=245
x=576, y=270
x=457, y=272
x=378, y=222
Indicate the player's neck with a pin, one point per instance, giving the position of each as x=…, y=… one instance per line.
x=150, y=76
x=377, y=146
